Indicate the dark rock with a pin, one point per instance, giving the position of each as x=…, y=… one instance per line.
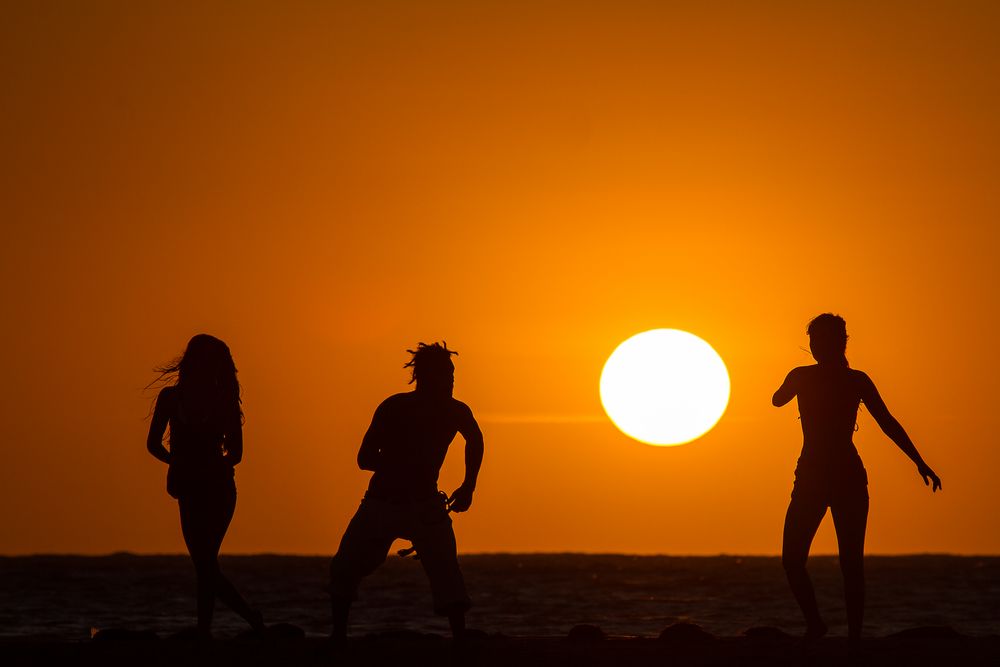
x=285, y=631
x=278, y=631
x=123, y=635
x=928, y=632
x=475, y=635
x=190, y=635
x=766, y=632
x=685, y=633
x=586, y=633
x=407, y=636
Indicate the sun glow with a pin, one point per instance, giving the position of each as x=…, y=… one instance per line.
x=664, y=387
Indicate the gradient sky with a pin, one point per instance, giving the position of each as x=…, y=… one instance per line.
x=324, y=186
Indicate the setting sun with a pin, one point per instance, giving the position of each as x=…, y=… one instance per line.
x=664, y=387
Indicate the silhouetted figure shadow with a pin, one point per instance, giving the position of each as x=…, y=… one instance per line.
x=829, y=471
x=405, y=447
x=203, y=412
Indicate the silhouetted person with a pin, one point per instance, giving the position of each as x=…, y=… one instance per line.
x=206, y=440
x=404, y=447
x=829, y=471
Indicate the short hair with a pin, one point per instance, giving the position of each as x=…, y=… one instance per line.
x=828, y=339
x=428, y=359
x=828, y=326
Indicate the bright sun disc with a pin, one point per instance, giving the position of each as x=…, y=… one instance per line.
x=664, y=387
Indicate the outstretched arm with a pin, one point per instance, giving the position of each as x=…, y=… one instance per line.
x=892, y=428
x=461, y=500
x=788, y=389
x=158, y=425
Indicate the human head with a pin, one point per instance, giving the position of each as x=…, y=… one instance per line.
x=828, y=339
x=207, y=368
x=432, y=367
x=206, y=360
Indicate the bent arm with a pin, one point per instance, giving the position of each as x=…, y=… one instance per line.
x=234, y=441
x=158, y=426
x=368, y=454
x=461, y=500
x=788, y=389
x=474, y=449
x=894, y=430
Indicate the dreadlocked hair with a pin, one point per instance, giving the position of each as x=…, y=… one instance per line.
x=429, y=358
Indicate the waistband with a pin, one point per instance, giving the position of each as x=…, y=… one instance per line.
x=405, y=499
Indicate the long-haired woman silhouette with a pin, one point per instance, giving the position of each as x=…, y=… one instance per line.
x=829, y=471
x=202, y=409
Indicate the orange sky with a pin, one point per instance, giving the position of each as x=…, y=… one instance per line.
x=324, y=187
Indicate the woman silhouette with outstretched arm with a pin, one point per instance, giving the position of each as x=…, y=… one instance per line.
x=829, y=471
x=202, y=409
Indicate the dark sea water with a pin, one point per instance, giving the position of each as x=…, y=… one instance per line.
x=63, y=597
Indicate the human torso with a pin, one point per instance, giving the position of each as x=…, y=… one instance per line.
x=197, y=443
x=828, y=399
x=414, y=434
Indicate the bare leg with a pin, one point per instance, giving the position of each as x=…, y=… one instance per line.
x=457, y=622
x=226, y=592
x=801, y=522
x=204, y=521
x=340, y=610
x=198, y=538
x=850, y=518
x=205, y=595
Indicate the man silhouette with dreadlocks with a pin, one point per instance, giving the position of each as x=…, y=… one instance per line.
x=404, y=448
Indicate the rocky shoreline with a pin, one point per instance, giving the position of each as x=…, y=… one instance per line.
x=680, y=644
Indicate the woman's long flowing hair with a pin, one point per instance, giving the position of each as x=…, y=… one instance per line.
x=206, y=377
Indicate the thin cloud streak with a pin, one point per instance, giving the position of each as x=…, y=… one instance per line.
x=543, y=419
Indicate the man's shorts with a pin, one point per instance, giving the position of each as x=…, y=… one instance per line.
x=369, y=536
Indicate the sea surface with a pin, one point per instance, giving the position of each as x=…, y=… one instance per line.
x=65, y=597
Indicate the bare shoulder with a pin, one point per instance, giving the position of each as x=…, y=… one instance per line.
x=862, y=381
x=799, y=372
x=166, y=400
x=166, y=395
x=799, y=379
x=861, y=377
x=395, y=400
x=463, y=413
